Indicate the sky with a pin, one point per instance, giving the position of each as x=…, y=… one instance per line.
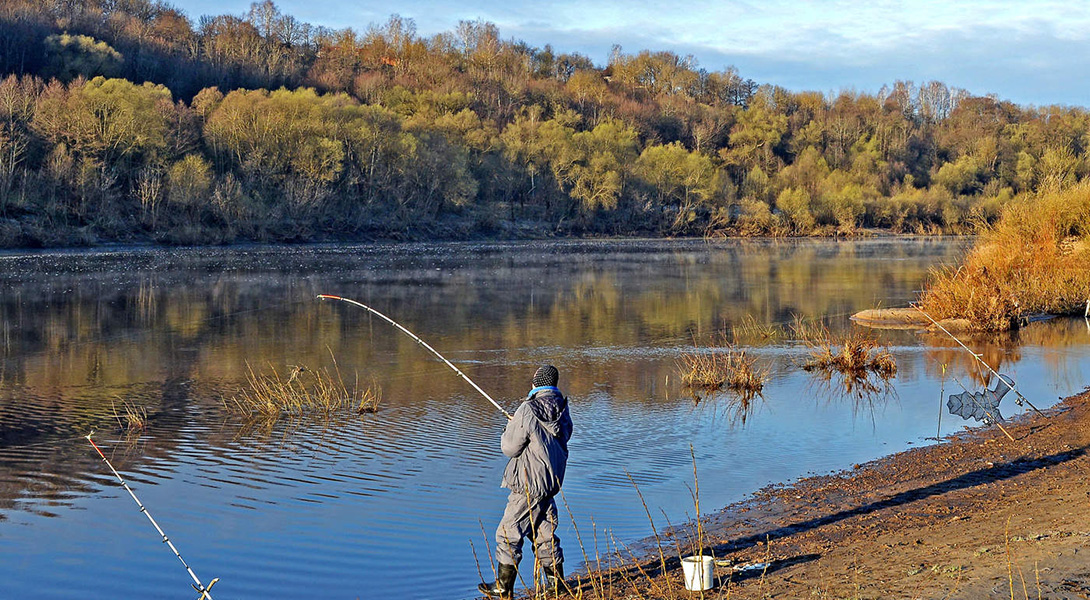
x=1029, y=52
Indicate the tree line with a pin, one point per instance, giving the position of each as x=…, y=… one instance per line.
x=125, y=120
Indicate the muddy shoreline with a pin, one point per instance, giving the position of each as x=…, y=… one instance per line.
x=977, y=515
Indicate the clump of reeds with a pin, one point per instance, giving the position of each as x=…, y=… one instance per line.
x=884, y=364
x=369, y=399
x=1032, y=261
x=302, y=391
x=742, y=375
x=856, y=356
x=731, y=369
x=131, y=417
x=701, y=370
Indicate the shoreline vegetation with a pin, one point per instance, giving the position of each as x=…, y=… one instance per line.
x=133, y=123
x=1033, y=263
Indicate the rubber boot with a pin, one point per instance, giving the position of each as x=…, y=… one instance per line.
x=554, y=580
x=504, y=586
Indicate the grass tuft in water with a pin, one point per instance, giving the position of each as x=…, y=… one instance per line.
x=884, y=364
x=709, y=371
x=856, y=355
x=302, y=391
x=132, y=416
x=370, y=397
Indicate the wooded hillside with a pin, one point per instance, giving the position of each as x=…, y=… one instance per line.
x=125, y=120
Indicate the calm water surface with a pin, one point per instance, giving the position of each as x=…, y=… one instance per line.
x=395, y=502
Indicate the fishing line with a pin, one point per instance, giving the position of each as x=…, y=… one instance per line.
x=419, y=341
x=205, y=592
x=976, y=356
x=4, y=447
x=689, y=335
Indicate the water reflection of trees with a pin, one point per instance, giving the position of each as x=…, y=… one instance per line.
x=1053, y=338
x=569, y=302
x=996, y=350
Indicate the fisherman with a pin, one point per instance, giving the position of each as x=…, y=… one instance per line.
x=536, y=440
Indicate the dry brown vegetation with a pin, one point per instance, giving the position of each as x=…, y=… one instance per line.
x=270, y=396
x=855, y=356
x=711, y=370
x=132, y=416
x=1034, y=260
x=707, y=370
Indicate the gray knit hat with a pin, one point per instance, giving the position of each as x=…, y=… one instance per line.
x=546, y=375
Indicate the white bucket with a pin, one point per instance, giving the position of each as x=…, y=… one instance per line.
x=699, y=572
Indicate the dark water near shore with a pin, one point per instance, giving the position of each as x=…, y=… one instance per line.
x=395, y=502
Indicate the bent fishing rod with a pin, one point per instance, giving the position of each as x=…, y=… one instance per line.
x=1010, y=385
x=205, y=592
x=419, y=341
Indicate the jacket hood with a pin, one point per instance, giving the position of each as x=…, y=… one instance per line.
x=548, y=406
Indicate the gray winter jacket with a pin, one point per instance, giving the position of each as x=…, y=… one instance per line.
x=536, y=440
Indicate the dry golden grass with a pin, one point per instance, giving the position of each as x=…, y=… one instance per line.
x=702, y=371
x=132, y=416
x=884, y=364
x=369, y=399
x=715, y=370
x=1035, y=259
x=854, y=356
x=302, y=391
x=742, y=376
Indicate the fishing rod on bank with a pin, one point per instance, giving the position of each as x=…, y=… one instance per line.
x=976, y=356
x=205, y=592
x=418, y=341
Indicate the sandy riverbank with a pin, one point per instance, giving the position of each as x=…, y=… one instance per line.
x=960, y=519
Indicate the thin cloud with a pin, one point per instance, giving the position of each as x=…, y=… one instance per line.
x=1029, y=52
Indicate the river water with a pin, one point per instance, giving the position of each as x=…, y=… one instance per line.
x=405, y=500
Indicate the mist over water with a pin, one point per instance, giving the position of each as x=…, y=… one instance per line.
x=344, y=508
